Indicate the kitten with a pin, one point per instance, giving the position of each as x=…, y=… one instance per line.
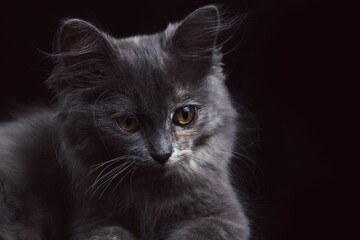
x=138, y=145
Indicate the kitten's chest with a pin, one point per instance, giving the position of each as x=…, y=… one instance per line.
x=154, y=213
x=158, y=215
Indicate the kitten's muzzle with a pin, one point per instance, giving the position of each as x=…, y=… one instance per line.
x=160, y=146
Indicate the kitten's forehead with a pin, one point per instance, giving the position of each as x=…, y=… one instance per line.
x=141, y=51
x=150, y=74
x=143, y=73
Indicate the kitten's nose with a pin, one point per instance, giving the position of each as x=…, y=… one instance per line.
x=161, y=158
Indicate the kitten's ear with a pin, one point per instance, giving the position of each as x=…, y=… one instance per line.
x=195, y=37
x=82, y=52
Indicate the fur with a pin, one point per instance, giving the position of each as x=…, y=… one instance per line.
x=117, y=188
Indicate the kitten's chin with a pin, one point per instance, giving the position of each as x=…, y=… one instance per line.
x=149, y=173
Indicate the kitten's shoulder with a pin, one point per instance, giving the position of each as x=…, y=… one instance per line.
x=25, y=128
x=26, y=121
x=24, y=138
x=28, y=174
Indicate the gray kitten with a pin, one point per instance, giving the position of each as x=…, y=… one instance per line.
x=138, y=146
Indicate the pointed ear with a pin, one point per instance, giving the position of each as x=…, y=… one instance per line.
x=82, y=53
x=195, y=37
x=78, y=38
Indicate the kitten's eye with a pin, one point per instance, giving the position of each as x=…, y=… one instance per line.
x=183, y=116
x=128, y=123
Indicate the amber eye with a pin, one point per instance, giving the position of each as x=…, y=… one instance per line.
x=128, y=123
x=184, y=115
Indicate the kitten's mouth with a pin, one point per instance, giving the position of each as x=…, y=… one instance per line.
x=157, y=172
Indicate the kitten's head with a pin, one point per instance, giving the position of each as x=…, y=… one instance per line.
x=155, y=103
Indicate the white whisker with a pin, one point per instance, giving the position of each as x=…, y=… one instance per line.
x=123, y=176
x=98, y=176
x=113, y=177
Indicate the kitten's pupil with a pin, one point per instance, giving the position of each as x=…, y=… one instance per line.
x=129, y=120
x=185, y=113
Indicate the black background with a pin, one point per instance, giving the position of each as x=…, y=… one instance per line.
x=288, y=70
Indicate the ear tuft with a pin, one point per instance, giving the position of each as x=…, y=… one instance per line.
x=196, y=35
x=78, y=38
x=82, y=53
x=74, y=34
x=196, y=41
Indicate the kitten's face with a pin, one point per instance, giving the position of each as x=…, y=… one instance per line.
x=155, y=102
x=151, y=113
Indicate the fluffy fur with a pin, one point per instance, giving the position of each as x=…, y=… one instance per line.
x=116, y=188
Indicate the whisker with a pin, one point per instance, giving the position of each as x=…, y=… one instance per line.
x=241, y=157
x=113, y=177
x=96, y=180
x=96, y=166
x=123, y=176
x=134, y=168
x=107, y=175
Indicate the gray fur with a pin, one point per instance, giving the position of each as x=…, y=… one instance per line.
x=119, y=191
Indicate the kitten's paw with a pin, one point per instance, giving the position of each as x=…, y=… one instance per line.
x=210, y=229
x=110, y=233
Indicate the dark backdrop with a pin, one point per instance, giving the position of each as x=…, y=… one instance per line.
x=286, y=70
